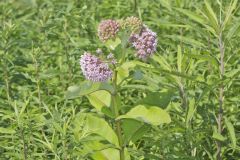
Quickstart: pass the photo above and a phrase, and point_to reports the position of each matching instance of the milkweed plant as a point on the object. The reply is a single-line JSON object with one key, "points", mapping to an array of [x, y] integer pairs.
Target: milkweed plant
{"points": [[105, 70]]}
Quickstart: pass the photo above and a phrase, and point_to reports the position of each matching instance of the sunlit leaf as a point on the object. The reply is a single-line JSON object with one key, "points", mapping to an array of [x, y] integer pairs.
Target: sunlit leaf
{"points": [[152, 115], [100, 99]]}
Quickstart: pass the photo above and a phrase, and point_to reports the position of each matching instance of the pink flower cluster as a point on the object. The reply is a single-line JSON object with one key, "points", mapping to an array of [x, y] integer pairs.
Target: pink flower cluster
{"points": [[142, 38], [145, 43], [94, 69], [108, 29]]}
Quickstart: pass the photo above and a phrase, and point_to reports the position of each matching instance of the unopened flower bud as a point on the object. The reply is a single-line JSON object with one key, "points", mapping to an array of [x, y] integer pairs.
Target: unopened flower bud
{"points": [[108, 29]]}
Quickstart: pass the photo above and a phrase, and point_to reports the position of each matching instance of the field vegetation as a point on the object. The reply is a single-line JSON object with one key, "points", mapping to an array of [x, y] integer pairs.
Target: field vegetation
{"points": [[177, 97]]}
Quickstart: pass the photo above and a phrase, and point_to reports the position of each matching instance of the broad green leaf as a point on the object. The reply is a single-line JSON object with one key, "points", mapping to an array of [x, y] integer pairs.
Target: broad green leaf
{"points": [[106, 154], [107, 111], [152, 115], [231, 132], [95, 149], [100, 99], [98, 126], [124, 69], [133, 130], [99, 151], [86, 88], [160, 99]]}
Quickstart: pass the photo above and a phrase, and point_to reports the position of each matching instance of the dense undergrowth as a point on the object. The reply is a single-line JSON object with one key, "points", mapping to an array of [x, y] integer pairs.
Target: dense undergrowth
{"points": [[194, 76]]}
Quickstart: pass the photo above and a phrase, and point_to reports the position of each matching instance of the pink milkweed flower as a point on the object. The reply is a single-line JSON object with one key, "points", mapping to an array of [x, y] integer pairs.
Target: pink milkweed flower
{"points": [[145, 43], [108, 29], [94, 69]]}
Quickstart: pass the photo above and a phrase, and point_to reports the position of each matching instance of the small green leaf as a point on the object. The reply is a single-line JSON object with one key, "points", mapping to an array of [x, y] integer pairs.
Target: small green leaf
{"points": [[218, 136], [191, 111], [152, 115], [231, 132], [179, 58]]}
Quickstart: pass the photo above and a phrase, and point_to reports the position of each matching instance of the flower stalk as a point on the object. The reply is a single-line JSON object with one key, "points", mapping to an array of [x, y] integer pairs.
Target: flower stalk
{"points": [[221, 96], [115, 109]]}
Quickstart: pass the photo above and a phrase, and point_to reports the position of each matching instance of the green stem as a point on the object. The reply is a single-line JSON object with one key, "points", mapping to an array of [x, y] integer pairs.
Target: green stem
{"points": [[221, 95], [7, 87], [25, 148], [135, 6], [123, 55], [116, 113]]}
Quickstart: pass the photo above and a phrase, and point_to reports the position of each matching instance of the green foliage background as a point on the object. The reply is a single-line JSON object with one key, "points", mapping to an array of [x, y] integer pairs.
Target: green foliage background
{"points": [[41, 42]]}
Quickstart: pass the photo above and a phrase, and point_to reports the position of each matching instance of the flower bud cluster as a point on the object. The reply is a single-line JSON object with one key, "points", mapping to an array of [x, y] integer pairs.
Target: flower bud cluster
{"points": [[108, 29], [132, 23]]}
